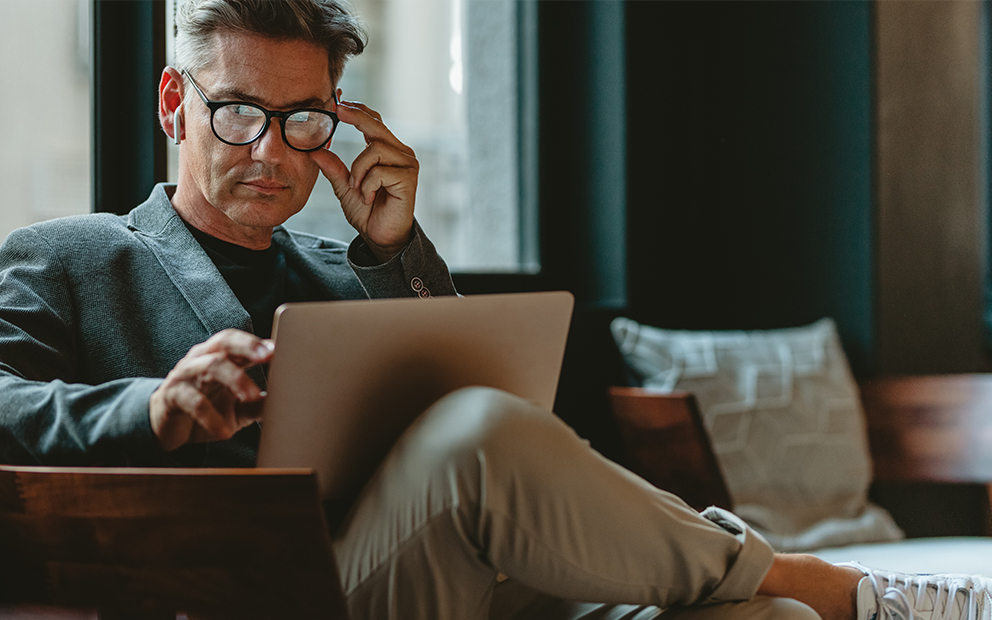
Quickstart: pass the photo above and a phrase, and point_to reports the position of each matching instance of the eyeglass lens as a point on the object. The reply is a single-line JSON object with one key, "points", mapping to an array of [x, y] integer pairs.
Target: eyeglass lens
{"points": [[241, 123]]}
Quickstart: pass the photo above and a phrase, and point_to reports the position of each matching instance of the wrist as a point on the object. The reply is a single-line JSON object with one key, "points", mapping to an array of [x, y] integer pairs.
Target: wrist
{"points": [[385, 253]]}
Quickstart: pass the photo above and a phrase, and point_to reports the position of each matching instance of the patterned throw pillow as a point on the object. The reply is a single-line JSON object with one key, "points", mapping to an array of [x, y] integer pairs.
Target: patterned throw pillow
{"points": [[785, 419]]}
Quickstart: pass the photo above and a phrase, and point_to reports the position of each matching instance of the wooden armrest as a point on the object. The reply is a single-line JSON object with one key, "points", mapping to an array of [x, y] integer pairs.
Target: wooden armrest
{"points": [[935, 428], [668, 445], [247, 543]]}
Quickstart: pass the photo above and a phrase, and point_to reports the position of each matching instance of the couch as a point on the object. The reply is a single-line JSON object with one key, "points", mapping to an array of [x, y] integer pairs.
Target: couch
{"points": [[930, 442]]}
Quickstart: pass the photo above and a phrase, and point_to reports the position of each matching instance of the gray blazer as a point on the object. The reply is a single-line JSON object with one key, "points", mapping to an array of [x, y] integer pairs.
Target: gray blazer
{"points": [[96, 309]]}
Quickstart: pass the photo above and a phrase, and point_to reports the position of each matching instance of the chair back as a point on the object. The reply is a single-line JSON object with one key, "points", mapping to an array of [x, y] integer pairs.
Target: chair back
{"points": [[668, 445]]}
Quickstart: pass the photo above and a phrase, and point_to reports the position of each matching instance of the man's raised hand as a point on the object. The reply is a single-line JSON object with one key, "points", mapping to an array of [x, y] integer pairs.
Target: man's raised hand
{"points": [[208, 396], [378, 193]]}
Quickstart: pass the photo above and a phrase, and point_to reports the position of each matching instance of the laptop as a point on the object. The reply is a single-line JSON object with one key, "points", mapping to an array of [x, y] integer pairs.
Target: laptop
{"points": [[347, 377]]}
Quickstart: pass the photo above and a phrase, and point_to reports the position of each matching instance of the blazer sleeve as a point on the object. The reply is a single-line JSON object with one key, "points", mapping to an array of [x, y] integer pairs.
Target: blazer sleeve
{"points": [[417, 271], [45, 416]]}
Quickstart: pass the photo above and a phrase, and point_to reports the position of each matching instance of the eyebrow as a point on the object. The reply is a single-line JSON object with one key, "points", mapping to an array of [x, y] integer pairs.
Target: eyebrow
{"points": [[237, 95]]}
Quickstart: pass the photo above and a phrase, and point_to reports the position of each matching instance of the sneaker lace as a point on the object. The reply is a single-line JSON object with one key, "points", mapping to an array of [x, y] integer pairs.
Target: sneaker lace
{"points": [[897, 589]]}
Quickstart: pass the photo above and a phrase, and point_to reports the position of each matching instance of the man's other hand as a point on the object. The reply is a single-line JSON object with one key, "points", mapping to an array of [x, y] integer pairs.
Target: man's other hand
{"points": [[208, 396], [378, 193]]}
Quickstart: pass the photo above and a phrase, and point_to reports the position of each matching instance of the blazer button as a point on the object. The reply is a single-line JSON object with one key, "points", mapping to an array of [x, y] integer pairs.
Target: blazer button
{"points": [[417, 284], [424, 293]]}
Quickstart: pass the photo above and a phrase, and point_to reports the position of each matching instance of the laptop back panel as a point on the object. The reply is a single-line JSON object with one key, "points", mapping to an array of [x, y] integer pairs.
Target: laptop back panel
{"points": [[348, 377]]}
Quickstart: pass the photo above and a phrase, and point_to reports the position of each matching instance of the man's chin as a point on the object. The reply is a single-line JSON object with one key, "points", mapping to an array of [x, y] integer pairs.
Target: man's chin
{"points": [[261, 213]]}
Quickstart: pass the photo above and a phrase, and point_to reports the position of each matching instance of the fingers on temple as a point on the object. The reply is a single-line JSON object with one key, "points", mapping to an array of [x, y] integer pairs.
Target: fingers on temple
{"points": [[383, 159], [396, 181], [369, 122], [333, 168], [362, 108]]}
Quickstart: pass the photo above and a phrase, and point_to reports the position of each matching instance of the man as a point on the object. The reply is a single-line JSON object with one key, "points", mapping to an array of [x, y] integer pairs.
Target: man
{"points": [[139, 340]]}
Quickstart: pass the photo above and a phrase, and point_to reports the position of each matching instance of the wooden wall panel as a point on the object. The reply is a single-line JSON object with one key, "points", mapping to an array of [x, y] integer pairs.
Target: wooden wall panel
{"points": [[931, 214]]}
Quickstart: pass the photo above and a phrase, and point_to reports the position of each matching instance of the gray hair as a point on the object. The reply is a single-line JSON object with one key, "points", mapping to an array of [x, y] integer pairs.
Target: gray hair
{"points": [[329, 24]]}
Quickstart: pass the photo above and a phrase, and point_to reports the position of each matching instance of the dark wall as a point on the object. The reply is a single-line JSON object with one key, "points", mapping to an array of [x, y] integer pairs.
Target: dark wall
{"points": [[750, 199], [703, 165], [749, 157], [582, 144]]}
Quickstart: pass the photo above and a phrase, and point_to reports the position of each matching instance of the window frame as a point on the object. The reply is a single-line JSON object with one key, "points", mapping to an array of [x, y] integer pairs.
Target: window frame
{"points": [[574, 241], [129, 156]]}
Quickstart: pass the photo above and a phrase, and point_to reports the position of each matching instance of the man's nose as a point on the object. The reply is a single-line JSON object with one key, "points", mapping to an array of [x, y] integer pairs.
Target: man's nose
{"points": [[270, 147]]}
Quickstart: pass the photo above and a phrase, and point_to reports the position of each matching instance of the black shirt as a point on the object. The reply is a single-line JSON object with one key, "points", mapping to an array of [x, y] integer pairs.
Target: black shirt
{"points": [[262, 280]]}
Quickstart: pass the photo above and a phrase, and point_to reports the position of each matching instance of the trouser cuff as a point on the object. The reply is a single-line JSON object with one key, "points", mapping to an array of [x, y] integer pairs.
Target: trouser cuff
{"points": [[753, 560]]}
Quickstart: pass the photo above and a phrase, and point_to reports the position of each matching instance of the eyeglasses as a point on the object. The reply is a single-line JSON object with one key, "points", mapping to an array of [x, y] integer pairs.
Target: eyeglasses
{"points": [[238, 123]]}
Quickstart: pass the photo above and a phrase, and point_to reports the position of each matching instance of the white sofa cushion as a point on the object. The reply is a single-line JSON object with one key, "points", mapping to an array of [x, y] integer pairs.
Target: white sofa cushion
{"points": [[784, 415], [972, 556]]}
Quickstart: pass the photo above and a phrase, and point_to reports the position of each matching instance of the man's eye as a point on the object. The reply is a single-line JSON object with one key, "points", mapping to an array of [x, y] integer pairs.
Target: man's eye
{"points": [[246, 111]]}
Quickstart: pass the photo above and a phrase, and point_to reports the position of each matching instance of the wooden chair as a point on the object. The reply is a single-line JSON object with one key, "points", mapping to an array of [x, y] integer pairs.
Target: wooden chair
{"points": [[141, 543], [921, 429], [668, 445]]}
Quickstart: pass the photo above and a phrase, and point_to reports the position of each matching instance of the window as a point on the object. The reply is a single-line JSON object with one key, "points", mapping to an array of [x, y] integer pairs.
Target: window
{"points": [[45, 120], [444, 76]]}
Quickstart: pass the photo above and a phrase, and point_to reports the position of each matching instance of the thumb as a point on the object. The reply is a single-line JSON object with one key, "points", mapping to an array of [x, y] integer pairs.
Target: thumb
{"points": [[248, 412], [334, 169]]}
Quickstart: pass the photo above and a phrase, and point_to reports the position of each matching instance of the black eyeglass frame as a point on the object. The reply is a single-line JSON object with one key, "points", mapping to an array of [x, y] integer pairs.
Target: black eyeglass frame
{"points": [[213, 106]]}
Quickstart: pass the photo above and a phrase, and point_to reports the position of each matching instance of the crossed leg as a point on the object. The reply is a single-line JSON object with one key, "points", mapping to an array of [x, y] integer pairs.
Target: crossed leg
{"points": [[484, 483], [515, 600]]}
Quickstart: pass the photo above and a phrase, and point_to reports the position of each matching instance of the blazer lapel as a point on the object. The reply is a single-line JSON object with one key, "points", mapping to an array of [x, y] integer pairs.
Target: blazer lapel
{"points": [[158, 225], [326, 266]]}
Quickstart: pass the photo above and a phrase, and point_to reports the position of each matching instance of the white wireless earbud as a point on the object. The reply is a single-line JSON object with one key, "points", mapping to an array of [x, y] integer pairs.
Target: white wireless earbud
{"points": [[176, 120]]}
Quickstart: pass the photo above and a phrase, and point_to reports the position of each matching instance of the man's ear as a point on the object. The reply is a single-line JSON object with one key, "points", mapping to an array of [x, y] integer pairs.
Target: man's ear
{"points": [[170, 98]]}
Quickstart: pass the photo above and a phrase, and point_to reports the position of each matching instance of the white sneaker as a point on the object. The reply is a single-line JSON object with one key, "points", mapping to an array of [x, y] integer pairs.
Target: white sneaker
{"points": [[885, 595]]}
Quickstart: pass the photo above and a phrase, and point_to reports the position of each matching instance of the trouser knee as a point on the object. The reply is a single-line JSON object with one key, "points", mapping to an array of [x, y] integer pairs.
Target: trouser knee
{"points": [[480, 423]]}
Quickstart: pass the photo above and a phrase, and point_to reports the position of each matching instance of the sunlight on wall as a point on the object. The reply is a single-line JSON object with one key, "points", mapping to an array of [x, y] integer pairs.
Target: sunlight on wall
{"points": [[45, 117]]}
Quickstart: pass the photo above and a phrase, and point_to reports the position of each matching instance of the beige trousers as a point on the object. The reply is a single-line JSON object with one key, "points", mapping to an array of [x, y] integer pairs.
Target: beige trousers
{"points": [[485, 483]]}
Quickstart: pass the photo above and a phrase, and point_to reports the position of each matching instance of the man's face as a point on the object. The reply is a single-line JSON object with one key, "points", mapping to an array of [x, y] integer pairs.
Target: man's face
{"points": [[258, 185]]}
